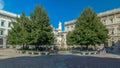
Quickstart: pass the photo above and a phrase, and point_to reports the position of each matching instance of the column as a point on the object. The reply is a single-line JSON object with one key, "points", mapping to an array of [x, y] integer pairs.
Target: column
{"points": [[5, 39], [115, 30], [4, 42], [114, 18]]}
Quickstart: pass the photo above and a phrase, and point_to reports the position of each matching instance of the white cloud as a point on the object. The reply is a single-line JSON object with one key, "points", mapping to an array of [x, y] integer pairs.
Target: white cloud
{"points": [[1, 4]]}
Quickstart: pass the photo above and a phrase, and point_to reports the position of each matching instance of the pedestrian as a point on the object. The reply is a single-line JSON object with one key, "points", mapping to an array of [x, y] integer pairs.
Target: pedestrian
{"points": [[51, 50], [56, 49]]}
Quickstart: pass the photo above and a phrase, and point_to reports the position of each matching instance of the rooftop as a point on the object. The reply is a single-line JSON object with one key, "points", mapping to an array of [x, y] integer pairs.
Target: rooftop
{"points": [[70, 22], [8, 13], [109, 12]]}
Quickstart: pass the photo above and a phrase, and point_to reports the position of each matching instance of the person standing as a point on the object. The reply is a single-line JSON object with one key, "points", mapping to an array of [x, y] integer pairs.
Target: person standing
{"points": [[56, 49]]}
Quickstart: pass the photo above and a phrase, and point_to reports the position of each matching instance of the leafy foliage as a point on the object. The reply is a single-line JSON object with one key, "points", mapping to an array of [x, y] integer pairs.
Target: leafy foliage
{"points": [[42, 31], [89, 30], [34, 30], [18, 33]]}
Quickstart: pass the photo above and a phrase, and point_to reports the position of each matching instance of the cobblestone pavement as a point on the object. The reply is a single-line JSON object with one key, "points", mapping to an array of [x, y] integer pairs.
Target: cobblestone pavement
{"points": [[14, 60]]}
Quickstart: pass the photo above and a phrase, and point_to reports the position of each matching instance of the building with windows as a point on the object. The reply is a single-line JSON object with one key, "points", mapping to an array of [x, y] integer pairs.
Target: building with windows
{"points": [[59, 36], [5, 25], [69, 25], [111, 19]]}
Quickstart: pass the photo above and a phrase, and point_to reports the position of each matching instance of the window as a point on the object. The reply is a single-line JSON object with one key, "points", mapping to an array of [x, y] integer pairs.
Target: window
{"points": [[9, 24], [71, 26], [119, 30], [1, 32], [111, 20], [118, 19], [112, 32], [104, 21], [113, 43], [2, 23]]}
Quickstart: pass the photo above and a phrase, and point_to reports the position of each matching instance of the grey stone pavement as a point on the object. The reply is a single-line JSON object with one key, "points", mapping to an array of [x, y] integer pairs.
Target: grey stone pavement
{"points": [[13, 60], [9, 53]]}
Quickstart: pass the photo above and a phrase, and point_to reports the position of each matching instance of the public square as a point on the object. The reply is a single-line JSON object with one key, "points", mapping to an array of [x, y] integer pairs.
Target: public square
{"points": [[60, 61], [10, 59], [59, 34]]}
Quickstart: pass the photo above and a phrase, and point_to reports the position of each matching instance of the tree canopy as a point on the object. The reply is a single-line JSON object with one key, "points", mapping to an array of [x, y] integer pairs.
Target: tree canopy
{"points": [[89, 30], [33, 30], [18, 33], [42, 32]]}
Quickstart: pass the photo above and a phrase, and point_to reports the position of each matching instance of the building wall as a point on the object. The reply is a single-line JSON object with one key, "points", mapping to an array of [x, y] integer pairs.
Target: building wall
{"points": [[111, 19], [69, 26], [5, 25], [60, 37]]}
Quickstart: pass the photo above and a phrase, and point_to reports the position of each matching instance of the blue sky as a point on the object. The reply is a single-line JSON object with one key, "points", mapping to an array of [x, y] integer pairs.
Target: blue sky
{"points": [[59, 10]]}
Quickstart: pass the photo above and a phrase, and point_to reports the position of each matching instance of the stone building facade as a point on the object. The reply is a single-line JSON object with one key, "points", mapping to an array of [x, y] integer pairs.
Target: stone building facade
{"points": [[5, 25], [111, 19], [59, 36], [69, 25]]}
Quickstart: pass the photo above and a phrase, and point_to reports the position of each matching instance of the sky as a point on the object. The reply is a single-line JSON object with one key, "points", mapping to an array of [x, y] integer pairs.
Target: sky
{"points": [[59, 10]]}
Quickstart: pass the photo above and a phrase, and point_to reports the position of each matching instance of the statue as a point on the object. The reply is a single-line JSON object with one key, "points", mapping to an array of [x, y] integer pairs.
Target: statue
{"points": [[60, 26]]}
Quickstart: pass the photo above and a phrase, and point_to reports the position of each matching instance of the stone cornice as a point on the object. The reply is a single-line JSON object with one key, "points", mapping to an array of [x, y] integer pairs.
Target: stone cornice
{"points": [[8, 14], [109, 12], [70, 22]]}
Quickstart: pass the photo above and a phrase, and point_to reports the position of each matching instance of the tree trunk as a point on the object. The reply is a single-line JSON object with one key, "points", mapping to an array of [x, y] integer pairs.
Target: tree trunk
{"points": [[23, 46], [87, 47]]}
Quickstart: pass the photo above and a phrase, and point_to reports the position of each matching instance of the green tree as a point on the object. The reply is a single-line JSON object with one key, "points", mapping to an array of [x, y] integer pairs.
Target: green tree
{"points": [[70, 39], [18, 33], [89, 30], [33, 30], [42, 33]]}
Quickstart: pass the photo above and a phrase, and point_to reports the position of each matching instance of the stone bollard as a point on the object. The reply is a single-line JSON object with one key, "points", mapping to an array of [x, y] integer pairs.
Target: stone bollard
{"points": [[32, 53], [89, 53], [39, 53], [95, 53], [20, 52], [83, 53], [27, 52]]}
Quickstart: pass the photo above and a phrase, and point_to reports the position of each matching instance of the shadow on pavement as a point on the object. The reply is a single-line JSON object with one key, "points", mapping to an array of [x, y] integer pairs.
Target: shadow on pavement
{"points": [[60, 61]]}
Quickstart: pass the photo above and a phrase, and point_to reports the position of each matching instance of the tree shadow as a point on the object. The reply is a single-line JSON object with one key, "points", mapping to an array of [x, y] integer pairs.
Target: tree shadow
{"points": [[114, 48], [59, 61]]}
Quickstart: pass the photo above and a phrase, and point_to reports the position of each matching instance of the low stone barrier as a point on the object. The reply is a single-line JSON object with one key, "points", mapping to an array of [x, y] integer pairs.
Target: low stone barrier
{"points": [[45, 53], [33, 53], [48, 53], [88, 53], [28, 52], [85, 53]]}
